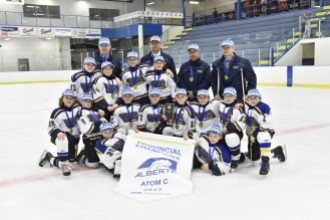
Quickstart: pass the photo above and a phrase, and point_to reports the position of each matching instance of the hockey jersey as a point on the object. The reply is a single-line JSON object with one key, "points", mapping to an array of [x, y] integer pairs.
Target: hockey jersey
{"points": [[162, 81], [106, 91], [135, 79], [183, 120], [150, 117], [64, 119], [126, 116], [83, 81], [89, 122], [206, 116], [231, 118]]}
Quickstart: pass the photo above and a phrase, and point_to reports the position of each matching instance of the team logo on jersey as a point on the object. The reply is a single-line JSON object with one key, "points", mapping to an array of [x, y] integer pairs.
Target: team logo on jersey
{"points": [[156, 166]]}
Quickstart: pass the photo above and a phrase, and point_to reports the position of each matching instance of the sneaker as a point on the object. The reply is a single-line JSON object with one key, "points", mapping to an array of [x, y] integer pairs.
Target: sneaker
{"points": [[66, 168], [264, 169], [45, 159], [279, 153]]}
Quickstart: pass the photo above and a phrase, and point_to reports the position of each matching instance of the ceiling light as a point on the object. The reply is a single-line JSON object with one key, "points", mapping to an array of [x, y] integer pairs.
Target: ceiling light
{"points": [[194, 2], [150, 3]]}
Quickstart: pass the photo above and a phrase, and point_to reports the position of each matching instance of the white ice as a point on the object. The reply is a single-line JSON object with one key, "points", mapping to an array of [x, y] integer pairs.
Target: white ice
{"points": [[298, 189]]}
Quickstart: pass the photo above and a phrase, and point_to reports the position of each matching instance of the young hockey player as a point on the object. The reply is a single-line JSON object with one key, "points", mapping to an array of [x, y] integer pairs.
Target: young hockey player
{"points": [[64, 133], [206, 112], [106, 89], [83, 80], [183, 121], [157, 78], [212, 152], [109, 148], [126, 116], [134, 77], [89, 122], [233, 123], [260, 131], [150, 118]]}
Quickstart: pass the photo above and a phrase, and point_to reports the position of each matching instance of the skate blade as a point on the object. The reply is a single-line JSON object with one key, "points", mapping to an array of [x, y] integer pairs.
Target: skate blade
{"points": [[285, 152], [41, 157]]}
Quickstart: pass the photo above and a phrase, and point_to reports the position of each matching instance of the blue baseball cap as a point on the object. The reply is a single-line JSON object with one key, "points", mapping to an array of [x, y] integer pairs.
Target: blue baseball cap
{"points": [[87, 97], [181, 91], [107, 63], [227, 43], [230, 91], [253, 93], [106, 126], [154, 92], [158, 57], [215, 129], [133, 54], [104, 41], [127, 91], [68, 93], [89, 60], [203, 92]]}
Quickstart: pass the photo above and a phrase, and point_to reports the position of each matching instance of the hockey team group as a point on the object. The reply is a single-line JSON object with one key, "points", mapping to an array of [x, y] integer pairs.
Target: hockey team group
{"points": [[105, 102]]}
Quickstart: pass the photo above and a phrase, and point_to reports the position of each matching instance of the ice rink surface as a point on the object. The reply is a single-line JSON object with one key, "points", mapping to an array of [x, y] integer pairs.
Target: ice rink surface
{"points": [[296, 190]]}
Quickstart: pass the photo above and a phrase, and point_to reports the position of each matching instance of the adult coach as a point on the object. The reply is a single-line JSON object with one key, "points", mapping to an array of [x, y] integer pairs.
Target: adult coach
{"points": [[104, 54], [195, 74], [227, 71], [155, 47]]}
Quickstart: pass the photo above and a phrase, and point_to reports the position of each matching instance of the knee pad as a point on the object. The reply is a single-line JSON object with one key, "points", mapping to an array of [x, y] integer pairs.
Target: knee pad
{"points": [[264, 137], [232, 140], [62, 147]]}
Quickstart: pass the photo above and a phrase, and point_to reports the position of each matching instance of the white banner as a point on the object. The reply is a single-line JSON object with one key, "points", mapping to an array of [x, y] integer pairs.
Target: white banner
{"points": [[28, 31], [155, 167], [78, 33], [153, 14], [45, 32], [63, 32], [9, 31], [93, 33]]}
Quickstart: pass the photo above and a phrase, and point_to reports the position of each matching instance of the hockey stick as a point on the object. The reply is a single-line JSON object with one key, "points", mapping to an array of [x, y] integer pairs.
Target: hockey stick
{"points": [[218, 84], [243, 91]]}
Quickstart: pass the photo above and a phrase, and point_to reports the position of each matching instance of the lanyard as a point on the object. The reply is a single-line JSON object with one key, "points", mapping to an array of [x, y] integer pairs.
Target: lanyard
{"points": [[111, 87], [134, 76], [249, 116], [155, 113], [95, 117], [201, 114], [224, 116], [71, 120], [156, 80], [226, 68], [211, 152], [88, 84], [192, 73], [177, 115], [129, 113]]}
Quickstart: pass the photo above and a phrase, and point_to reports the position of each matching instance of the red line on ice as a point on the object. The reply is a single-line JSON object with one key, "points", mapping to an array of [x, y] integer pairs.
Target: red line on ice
{"points": [[42, 176]]}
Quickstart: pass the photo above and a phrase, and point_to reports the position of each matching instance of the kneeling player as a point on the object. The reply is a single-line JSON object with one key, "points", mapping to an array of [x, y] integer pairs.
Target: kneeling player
{"points": [[260, 131], [64, 133], [150, 119], [233, 123], [109, 148], [212, 152], [89, 123]]}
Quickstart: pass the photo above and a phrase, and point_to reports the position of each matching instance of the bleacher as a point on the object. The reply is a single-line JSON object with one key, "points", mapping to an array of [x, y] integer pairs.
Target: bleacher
{"points": [[253, 37]]}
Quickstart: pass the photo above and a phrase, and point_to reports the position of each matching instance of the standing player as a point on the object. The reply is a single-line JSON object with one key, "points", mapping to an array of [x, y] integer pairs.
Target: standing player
{"points": [[83, 80], [106, 89], [64, 133], [126, 116], [157, 78], [206, 112], [233, 123], [212, 152], [134, 77]]}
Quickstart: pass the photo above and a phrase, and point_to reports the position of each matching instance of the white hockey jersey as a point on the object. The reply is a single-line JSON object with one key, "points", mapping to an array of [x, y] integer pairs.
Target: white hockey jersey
{"points": [[183, 120], [206, 116], [83, 81], [126, 116], [64, 120], [106, 91], [135, 79], [162, 81], [231, 118], [259, 117], [89, 122], [150, 117]]}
